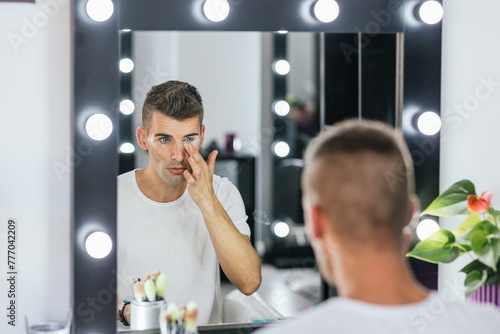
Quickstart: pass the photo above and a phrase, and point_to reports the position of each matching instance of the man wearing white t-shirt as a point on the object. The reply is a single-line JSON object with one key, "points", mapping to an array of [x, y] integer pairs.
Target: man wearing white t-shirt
{"points": [[176, 216], [358, 200]]}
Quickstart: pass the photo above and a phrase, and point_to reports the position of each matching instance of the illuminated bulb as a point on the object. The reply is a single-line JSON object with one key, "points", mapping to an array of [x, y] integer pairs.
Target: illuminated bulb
{"points": [[281, 108], [281, 229], [282, 32], [216, 10], [126, 30], [126, 65], [98, 245], [425, 228], [99, 127], [127, 148], [431, 12], [281, 149], [127, 107], [99, 10], [326, 10], [429, 123], [282, 67]]}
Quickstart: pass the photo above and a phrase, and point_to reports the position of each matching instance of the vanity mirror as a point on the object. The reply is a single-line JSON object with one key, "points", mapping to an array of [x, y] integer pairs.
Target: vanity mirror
{"points": [[96, 91]]}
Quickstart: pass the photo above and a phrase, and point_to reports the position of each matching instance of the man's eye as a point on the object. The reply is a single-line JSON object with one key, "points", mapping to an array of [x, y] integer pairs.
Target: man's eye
{"points": [[164, 140], [189, 139]]}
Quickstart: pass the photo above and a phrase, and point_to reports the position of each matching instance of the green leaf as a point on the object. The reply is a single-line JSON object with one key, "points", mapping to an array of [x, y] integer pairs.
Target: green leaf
{"points": [[474, 280], [474, 265], [453, 201], [437, 248], [484, 241], [468, 223]]}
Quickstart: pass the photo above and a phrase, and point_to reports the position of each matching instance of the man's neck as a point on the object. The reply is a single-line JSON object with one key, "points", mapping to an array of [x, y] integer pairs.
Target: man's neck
{"points": [[155, 188], [379, 279]]}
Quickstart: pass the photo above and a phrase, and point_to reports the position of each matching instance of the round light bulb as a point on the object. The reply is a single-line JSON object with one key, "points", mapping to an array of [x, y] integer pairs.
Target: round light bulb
{"points": [[127, 148], [216, 10], [99, 127], [127, 107], [100, 10], [429, 123], [281, 229], [98, 245], [326, 10], [425, 228], [281, 149], [431, 12], [281, 108], [282, 67], [126, 65]]}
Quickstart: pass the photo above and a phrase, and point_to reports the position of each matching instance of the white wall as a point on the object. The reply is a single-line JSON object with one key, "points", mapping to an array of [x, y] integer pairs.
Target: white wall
{"points": [[470, 106], [35, 114], [224, 66]]}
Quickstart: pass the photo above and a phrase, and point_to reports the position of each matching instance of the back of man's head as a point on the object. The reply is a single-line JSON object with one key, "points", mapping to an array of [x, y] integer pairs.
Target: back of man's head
{"points": [[360, 174], [175, 99]]}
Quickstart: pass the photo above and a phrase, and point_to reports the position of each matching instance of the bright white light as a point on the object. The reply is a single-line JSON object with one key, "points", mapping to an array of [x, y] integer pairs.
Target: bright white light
{"points": [[429, 123], [281, 149], [98, 245], [281, 229], [99, 127], [126, 30], [326, 10], [237, 144], [282, 32], [216, 10], [425, 228], [127, 107], [100, 10], [127, 148], [282, 67], [126, 65], [431, 12], [281, 108]]}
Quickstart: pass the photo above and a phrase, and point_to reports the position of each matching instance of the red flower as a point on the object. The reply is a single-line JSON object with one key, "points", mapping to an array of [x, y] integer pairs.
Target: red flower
{"points": [[479, 204]]}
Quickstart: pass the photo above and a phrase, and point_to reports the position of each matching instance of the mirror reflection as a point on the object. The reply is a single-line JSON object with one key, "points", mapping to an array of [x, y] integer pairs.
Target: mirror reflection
{"points": [[259, 121]]}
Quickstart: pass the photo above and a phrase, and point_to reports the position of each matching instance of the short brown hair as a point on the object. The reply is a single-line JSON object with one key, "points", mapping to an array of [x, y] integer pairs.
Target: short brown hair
{"points": [[176, 99], [360, 172]]}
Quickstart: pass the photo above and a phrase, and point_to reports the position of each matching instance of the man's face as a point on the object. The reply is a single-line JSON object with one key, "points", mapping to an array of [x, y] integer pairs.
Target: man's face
{"points": [[165, 143]]}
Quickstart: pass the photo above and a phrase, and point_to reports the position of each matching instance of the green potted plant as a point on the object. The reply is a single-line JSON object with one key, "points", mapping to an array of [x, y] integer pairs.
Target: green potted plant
{"points": [[478, 236]]}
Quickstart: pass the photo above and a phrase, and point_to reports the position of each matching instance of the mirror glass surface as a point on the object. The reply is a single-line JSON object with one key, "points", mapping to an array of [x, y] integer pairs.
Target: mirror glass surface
{"points": [[229, 70]]}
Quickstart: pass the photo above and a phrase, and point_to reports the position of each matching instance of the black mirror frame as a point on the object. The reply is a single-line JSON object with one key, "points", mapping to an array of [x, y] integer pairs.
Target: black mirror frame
{"points": [[96, 90]]}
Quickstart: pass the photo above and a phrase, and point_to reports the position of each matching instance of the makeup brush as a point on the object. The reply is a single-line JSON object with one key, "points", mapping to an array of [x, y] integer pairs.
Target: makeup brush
{"points": [[139, 293], [164, 319], [173, 312], [150, 289], [161, 286], [191, 319]]}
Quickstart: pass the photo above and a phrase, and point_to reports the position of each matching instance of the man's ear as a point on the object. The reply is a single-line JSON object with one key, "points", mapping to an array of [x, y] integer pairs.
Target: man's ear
{"points": [[202, 134], [317, 221], [411, 222], [142, 137]]}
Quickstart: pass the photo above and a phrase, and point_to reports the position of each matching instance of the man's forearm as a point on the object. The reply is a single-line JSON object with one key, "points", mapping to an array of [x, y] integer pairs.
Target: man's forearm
{"points": [[234, 251]]}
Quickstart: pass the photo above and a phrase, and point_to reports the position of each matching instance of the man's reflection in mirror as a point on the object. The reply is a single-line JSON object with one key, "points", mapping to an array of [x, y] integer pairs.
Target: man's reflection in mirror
{"points": [[176, 216]]}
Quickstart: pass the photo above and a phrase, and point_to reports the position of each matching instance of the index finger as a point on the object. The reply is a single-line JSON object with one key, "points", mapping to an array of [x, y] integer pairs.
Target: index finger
{"points": [[192, 151]]}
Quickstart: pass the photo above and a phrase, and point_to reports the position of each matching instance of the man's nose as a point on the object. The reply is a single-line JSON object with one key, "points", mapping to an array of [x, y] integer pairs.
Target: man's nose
{"points": [[179, 153]]}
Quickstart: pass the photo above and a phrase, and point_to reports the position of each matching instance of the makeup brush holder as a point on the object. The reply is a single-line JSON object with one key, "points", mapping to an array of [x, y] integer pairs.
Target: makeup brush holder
{"points": [[146, 315]]}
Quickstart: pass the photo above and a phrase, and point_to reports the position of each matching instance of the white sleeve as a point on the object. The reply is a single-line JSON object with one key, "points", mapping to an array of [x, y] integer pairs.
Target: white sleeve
{"points": [[230, 198]]}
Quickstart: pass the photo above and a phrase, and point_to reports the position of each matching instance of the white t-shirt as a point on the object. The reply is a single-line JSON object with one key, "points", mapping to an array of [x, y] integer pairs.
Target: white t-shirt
{"points": [[173, 238], [431, 316]]}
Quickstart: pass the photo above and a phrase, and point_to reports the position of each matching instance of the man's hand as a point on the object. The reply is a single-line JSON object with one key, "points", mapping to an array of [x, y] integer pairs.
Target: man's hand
{"points": [[200, 179]]}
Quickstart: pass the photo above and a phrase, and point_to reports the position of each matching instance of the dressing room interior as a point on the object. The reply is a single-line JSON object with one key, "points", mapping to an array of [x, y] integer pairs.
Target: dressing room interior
{"points": [[272, 75]]}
